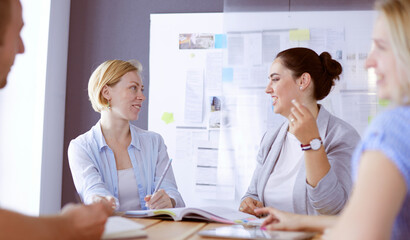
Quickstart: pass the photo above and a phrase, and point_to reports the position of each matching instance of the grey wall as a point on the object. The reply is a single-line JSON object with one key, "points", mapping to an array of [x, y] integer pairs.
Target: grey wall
{"points": [[119, 29], [296, 5]]}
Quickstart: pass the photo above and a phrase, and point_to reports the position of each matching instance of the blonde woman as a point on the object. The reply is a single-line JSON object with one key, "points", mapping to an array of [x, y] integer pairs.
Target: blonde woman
{"points": [[379, 207], [116, 160]]}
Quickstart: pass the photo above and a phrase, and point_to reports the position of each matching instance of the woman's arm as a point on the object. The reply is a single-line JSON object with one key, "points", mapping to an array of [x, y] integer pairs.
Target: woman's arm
{"points": [[76, 222], [87, 179], [279, 220], [303, 125], [376, 200], [328, 175]]}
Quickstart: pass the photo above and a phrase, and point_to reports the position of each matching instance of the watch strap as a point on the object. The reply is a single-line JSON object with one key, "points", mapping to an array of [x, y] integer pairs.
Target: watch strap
{"points": [[306, 147]]}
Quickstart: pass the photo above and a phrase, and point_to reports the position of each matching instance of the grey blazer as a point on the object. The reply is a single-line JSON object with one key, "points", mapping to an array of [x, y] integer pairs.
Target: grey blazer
{"points": [[331, 193]]}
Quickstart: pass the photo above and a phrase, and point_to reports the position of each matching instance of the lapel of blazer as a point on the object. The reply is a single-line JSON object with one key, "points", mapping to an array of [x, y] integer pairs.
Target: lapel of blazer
{"points": [[322, 122], [275, 141]]}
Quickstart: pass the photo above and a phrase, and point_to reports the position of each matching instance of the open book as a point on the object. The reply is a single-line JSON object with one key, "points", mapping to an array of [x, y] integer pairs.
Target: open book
{"points": [[208, 214], [121, 228]]}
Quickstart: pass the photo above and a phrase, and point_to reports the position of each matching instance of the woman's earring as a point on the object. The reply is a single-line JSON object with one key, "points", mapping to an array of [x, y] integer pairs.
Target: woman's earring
{"points": [[109, 105], [300, 87]]}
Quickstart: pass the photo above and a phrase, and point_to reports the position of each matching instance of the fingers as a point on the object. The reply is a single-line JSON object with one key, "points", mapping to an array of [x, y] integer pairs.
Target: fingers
{"points": [[107, 206], [249, 204], [156, 197], [275, 225], [265, 210], [272, 216], [296, 113], [299, 107], [109, 200], [259, 204], [159, 200], [269, 220]]}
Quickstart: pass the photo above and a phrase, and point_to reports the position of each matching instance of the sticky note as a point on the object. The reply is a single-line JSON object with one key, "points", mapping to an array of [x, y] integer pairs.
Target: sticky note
{"points": [[383, 102], [220, 40], [167, 117], [369, 119], [227, 74], [299, 35]]}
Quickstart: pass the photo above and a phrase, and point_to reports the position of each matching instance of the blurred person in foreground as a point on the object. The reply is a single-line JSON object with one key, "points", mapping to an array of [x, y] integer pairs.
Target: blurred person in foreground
{"points": [[75, 221], [379, 207]]}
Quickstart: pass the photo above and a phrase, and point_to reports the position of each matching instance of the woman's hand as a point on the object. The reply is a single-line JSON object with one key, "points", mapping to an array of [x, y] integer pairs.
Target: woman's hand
{"points": [[159, 200], [278, 220], [302, 123], [248, 205], [109, 199], [85, 221]]}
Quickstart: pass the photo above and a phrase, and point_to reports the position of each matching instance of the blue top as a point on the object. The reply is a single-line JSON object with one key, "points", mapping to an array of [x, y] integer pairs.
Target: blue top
{"points": [[389, 133], [94, 169]]}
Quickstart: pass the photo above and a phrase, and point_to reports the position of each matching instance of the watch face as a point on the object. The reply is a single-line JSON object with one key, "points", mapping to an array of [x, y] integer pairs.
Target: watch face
{"points": [[315, 144]]}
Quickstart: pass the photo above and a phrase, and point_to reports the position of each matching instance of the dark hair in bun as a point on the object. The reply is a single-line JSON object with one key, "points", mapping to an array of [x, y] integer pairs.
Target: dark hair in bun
{"points": [[323, 70]]}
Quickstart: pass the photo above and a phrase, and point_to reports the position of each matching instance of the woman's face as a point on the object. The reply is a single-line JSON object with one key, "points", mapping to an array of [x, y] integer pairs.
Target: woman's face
{"points": [[382, 59], [127, 96], [282, 87]]}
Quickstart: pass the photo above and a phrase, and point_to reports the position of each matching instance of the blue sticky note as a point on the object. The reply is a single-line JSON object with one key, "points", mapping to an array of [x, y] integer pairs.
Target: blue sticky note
{"points": [[227, 74], [220, 40]]}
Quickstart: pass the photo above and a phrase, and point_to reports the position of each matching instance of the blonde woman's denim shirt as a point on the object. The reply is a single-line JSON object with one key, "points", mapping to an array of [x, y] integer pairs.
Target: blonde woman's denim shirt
{"points": [[94, 170]]}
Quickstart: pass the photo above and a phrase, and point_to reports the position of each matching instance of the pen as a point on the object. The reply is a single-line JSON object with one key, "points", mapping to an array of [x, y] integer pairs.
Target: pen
{"points": [[162, 176]]}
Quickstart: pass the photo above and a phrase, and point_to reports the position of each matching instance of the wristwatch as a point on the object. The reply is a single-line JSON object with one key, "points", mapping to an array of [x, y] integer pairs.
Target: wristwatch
{"points": [[314, 144]]}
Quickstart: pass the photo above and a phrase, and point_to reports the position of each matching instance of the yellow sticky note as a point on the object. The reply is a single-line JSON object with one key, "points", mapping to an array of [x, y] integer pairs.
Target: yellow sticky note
{"points": [[167, 117], [299, 35], [384, 102]]}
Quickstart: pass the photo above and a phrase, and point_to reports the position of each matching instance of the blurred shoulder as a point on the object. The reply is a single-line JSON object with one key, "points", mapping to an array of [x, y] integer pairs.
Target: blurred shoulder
{"points": [[396, 118]]}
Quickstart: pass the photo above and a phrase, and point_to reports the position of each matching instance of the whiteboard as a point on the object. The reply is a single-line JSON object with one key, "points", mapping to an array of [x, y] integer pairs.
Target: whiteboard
{"points": [[208, 102]]}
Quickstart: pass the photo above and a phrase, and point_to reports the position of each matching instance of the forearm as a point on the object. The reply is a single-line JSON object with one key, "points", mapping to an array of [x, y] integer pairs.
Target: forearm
{"points": [[17, 226], [317, 223], [317, 165]]}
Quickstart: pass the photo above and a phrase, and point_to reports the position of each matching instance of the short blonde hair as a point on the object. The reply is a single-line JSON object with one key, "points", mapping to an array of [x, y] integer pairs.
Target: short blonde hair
{"points": [[108, 73], [397, 16]]}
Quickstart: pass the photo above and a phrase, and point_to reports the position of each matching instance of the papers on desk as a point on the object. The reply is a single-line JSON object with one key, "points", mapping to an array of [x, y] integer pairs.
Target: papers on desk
{"points": [[118, 228]]}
